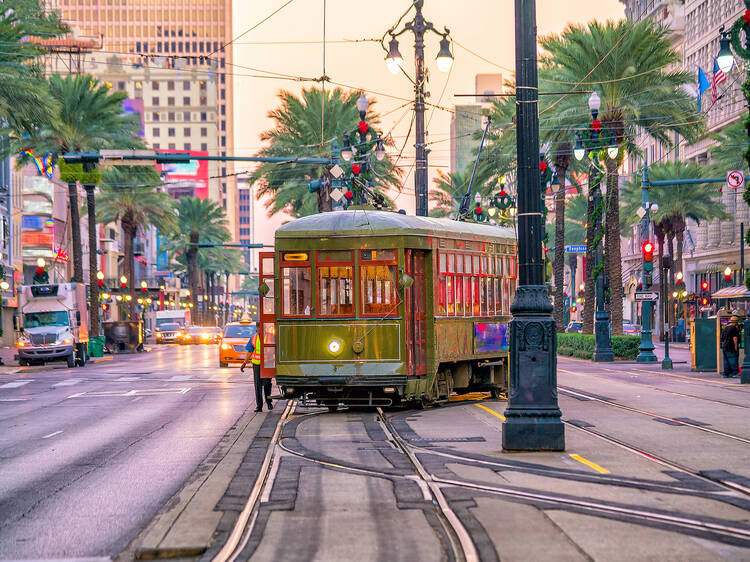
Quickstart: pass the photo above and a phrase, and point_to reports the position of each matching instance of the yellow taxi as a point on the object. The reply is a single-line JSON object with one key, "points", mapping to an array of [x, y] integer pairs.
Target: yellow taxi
{"points": [[233, 342]]}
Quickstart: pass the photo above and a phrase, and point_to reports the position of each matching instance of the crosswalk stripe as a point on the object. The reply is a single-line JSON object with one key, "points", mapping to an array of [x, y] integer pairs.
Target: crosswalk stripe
{"points": [[15, 384], [69, 382], [127, 379], [180, 378]]}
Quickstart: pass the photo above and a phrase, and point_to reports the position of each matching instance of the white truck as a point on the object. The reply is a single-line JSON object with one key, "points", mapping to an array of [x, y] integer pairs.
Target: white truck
{"points": [[52, 324], [169, 323]]}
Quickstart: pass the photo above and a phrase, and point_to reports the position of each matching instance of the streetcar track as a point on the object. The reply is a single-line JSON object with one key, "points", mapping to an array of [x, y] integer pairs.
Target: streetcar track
{"points": [[583, 394], [648, 386]]}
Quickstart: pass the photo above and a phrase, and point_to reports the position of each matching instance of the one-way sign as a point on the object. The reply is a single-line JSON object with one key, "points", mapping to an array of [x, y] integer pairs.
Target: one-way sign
{"points": [[647, 296]]}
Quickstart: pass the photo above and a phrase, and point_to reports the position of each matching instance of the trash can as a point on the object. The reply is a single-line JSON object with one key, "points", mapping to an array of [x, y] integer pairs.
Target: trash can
{"points": [[703, 344], [96, 346]]}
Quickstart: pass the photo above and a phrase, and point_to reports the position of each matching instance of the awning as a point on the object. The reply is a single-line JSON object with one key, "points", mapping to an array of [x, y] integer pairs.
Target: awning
{"points": [[737, 292]]}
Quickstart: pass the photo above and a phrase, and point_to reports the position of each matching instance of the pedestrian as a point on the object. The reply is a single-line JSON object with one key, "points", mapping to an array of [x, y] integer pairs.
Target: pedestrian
{"points": [[730, 345], [262, 386]]}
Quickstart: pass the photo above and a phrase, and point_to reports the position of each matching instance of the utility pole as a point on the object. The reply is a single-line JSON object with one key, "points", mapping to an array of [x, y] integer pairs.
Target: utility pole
{"points": [[533, 417], [646, 349]]}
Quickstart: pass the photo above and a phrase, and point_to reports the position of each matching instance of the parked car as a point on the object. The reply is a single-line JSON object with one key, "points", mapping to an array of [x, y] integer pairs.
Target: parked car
{"points": [[574, 327], [631, 329]]}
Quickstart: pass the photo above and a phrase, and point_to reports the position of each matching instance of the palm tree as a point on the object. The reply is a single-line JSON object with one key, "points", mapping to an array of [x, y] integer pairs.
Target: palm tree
{"points": [[729, 153], [627, 63], [305, 127], [562, 162], [450, 189], [129, 196], [198, 220]]}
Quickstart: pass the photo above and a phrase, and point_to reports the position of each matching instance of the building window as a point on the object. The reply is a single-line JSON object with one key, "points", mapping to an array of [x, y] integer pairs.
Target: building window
{"points": [[187, 146], [155, 101], [186, 100], [186, 131], [170, 85], [223, 188], [203, 115], [223, 141], [186, 84], [170, 116], [156, 146], [204, 146], [186, 116], [204, 131], [170, 101], [155, 115], [170, 132], [172, 146], [223, 95], [121, 86], [155, 85], [155, 132], [202, 85]]}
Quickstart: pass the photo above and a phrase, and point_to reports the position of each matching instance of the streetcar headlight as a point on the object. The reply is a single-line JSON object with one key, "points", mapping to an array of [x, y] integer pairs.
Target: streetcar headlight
{"points": [[389, 389], [334, 346]]}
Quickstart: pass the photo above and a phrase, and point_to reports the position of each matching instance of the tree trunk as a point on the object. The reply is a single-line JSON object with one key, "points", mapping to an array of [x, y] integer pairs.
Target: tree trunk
{"points": [[588, 305], [75, 232], [128, 232], [94, 305], [191, 257], [558, 263], [670, 278], [612, 247], [325, 203]]}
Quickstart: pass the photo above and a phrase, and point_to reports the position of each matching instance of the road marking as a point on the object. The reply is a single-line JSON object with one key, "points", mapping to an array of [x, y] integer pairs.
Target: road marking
{"points": [[127, 379], [70, 382], [13, 399], [16, 384], [590, 464], [128, 393], [493, 412], [51, 434], [180, 378]]}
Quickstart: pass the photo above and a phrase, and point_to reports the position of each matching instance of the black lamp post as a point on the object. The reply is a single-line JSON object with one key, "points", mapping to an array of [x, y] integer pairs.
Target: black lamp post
{"points": [[666, 262], [395, 61], [533, 417]]}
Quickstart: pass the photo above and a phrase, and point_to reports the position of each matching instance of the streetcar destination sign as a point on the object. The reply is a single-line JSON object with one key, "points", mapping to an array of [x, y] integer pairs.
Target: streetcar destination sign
{"points": [[647, 296]]}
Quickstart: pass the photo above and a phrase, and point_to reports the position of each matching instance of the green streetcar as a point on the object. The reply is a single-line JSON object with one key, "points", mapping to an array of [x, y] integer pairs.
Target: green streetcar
{"points": [[366, 307]]}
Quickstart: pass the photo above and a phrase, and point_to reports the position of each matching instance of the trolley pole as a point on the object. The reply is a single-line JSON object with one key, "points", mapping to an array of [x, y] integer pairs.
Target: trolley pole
{"points": [[533, 417]]}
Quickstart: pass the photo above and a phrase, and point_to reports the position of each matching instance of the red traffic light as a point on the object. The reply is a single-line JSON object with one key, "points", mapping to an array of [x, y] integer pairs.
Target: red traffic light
{"points": [[704, 286], [648, 255]]}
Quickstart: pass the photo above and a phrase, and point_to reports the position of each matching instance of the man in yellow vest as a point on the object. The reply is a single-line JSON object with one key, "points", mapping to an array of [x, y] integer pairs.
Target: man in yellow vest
{"points": [[254, 349]]}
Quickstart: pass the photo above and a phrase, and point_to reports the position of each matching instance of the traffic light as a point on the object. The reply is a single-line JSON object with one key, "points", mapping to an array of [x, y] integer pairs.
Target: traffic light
{"points": [[315, 185], [648, 256], [704, 301], [704, 286], [728, 274]]}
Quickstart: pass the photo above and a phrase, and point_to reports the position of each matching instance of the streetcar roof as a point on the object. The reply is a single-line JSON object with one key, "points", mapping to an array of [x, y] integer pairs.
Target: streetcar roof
{"points": [[360, 222]]}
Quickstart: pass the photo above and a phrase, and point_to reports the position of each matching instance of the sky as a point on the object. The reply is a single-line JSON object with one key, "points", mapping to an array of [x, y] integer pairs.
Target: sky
{"points": [[290, 43]]}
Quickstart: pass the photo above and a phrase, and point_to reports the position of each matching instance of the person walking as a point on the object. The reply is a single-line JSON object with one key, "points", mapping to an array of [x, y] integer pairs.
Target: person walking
{"points": [[262, 386], [730, 344]]}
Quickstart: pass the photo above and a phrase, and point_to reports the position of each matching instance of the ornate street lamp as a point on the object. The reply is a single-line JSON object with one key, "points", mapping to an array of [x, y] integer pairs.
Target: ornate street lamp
{"points": [[419, 26]]}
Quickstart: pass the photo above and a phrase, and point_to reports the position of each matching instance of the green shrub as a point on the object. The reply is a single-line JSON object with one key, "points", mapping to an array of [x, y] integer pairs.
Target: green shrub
{"points": [[582, 346]]}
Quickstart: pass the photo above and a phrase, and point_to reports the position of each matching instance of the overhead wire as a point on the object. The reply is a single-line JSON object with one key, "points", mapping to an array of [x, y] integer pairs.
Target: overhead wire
{"points": [[261, 22]]}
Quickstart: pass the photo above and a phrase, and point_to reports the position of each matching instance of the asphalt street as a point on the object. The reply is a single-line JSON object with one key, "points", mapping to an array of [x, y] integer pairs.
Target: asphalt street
{"points": [[88, 456]]}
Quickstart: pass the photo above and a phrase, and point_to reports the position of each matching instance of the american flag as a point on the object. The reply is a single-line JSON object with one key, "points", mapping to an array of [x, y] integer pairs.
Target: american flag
{"points": [[718, 78]]}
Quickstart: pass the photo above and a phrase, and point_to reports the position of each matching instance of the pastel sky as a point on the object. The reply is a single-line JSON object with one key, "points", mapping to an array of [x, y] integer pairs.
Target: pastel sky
{"points": [[290, 43]]}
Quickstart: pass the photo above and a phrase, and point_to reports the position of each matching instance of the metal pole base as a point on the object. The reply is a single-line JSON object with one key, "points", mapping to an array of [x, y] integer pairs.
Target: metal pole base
{"points": [[533, 417], [646, 356], [745, 376], [603, 340], [666, 363]]}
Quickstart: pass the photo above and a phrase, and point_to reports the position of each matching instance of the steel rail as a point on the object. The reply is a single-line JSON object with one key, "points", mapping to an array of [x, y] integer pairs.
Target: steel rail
{"points": [[453, 525], [653, 415], [232, 546]]}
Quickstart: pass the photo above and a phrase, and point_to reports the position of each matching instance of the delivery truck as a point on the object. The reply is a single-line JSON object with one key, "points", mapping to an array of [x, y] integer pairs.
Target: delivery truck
{"points": [[52, 324]]}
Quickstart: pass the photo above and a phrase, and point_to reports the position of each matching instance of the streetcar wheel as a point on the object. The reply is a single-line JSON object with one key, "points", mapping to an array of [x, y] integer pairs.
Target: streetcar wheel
{"points": [[494, 393]]}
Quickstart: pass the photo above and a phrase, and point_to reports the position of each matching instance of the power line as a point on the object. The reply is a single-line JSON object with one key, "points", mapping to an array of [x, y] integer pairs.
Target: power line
{"points": [[261, 22]]}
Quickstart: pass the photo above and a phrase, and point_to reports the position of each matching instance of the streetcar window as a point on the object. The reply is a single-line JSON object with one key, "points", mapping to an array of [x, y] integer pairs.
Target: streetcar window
{"points": [[378, 255], [378, 290], [344, 256], [450, 292], [296, 291], [467, 264], [336, 290], [268, 299]]}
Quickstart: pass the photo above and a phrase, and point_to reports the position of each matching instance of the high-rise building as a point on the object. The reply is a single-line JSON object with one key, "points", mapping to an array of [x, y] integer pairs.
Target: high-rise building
{"points": [[466, 121], [169, 56]]}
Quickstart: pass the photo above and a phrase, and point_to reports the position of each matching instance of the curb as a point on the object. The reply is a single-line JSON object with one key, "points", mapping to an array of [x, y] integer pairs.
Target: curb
{"points": [[187, 525]]}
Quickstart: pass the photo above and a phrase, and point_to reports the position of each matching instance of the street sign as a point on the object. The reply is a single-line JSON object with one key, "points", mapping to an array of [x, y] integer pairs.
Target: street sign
{"points": [[336, 194], [735, 179], [647, 296], [576, 249]]}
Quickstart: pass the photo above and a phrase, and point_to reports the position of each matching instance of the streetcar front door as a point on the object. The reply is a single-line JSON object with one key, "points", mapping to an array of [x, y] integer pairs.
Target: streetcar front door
{"points": [[267, 316], [416, 352]]}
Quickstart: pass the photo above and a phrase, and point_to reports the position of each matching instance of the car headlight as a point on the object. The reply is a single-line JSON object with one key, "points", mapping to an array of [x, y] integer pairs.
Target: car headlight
{"points": [[67, 340], [22, 342], [226, 346], [205, 336]]}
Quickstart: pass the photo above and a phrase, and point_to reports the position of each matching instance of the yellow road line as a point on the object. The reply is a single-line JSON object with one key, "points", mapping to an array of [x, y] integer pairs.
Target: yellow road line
{"points": [[633, 371], [590, 464], [493, 412]]}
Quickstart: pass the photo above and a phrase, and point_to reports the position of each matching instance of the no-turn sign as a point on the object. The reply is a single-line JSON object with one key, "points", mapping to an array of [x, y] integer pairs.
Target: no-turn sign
{"points": [[735, 179]]}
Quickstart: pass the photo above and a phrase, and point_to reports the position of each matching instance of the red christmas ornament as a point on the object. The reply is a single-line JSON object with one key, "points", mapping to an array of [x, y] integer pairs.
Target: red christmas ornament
{"points": [[478, 210], [39, 270], [349, 195], [542, 166], [363, 127], [356, 169], [502, 193], [100, 283], [596, 126], [746, 17]]}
